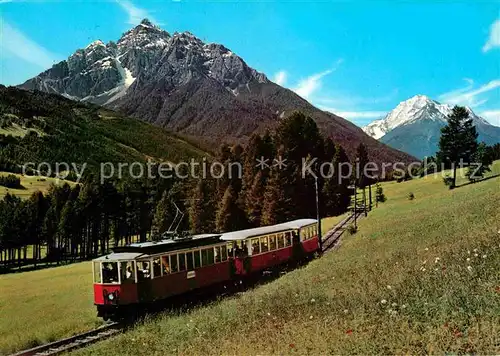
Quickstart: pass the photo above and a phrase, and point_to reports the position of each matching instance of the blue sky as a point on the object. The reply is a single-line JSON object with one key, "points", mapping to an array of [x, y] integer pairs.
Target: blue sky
{"points": [[356, 59]]}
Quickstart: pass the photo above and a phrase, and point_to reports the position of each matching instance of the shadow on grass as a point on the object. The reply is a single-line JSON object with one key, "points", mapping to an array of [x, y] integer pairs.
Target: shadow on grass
{"points": [[477, 181]]}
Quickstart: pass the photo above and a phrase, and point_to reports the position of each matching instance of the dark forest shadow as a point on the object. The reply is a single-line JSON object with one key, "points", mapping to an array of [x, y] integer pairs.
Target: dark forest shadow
{"points": [[477, 181]]}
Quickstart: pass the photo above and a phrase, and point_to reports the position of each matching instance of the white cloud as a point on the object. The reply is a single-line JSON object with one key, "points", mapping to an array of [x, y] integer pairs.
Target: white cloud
{"points": [[280, 77], [469, 95], [493, 116], [350, 115], [135, 14], [18, 44], [309, 85], [494, 39]]}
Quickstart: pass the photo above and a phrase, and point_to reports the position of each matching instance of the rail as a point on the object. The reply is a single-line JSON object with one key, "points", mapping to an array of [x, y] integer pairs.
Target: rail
{"points": [[73, 342], [332, 237]]}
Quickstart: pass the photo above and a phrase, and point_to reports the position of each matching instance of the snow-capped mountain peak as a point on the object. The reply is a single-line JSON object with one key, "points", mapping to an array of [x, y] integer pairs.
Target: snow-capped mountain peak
{"points": [[417, 108], [103, 73]]}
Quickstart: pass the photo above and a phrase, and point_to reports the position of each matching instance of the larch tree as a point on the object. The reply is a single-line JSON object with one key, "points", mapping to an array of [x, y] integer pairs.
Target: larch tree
{"points": [[458, 141]]}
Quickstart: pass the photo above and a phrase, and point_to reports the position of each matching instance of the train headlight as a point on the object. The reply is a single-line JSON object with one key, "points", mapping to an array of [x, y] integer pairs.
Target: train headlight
{"points": [[111, 296]]}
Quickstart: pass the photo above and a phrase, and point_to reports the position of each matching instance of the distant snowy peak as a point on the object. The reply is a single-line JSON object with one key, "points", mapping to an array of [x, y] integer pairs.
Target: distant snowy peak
{"points": [[417, 108]]}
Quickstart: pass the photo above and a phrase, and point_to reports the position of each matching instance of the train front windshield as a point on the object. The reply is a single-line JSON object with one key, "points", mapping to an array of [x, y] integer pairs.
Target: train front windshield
{"points": [[114, 272]]}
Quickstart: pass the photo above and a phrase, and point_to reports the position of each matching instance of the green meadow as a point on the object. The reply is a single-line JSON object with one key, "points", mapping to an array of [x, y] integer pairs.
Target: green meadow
{"points": [[30, 185], [420, 276]]}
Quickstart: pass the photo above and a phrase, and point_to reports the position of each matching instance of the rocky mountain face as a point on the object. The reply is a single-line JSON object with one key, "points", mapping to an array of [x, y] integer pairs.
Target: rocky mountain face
{"points": [[200, 90], [414, 126]]}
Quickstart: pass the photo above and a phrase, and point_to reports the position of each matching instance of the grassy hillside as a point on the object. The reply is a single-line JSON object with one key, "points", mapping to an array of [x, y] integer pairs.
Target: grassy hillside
{"points": [[45, 305], [39, 127], [421, 276], [335, 304], [30, 185]]}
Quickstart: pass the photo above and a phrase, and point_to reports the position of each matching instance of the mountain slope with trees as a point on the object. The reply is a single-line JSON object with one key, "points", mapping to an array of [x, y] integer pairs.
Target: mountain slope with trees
{"points": [[57, 129], [197, 89]]}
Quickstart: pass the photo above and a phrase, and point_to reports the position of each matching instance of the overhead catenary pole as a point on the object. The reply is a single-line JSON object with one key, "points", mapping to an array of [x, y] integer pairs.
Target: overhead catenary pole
{"points": [[320, 237], [370, 192], [355, 204]]}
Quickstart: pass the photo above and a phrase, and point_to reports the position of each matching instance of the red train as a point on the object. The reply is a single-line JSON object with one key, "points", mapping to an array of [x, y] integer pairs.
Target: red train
{"points": [[142, 273]]}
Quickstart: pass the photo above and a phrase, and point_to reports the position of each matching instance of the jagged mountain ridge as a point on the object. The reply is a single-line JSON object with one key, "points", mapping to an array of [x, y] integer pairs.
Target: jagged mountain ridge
{"points": [[414, 126], [203, 91]]}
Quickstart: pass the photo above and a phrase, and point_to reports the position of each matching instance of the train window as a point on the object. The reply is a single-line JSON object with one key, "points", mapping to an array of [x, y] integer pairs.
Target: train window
{"points": [[288, 238], [156, 267], [255, 246], [217, 254], [223, 252], [230, 247], [272, 242], [165, 265], [127, 270], [281, 240], [210, 252], [264, 244], [174, 264], [315, 230], [207, 256], [204, 257], [143, 270], [97, 272], [189, 260], [110, 272], [182, 262], [197, 259]]}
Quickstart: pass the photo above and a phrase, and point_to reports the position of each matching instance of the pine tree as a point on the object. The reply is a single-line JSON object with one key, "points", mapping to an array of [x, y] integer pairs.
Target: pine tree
{"points": [[162, 217], [379, 193], [361, 162], [458, 140], [229, 215], [482, 159], [201, 208], [255, 199], [336, 194], [277, 206]]}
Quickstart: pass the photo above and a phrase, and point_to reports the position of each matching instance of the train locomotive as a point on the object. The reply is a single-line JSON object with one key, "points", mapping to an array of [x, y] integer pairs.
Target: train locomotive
{"points": [[139, 274]]}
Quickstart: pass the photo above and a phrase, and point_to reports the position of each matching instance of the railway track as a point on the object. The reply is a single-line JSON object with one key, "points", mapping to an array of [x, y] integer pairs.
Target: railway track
{"points": [[73, 342], [332, 237]]}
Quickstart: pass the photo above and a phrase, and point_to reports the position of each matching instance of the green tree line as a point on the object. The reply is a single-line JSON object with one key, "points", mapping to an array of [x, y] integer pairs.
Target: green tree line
{"points": [[81, 222]]}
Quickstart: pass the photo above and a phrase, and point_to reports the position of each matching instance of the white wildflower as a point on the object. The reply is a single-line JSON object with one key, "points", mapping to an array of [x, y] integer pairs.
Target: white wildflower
{"points": [[427, 249], [313, 300], [394, 305], [436, 260], [468, 259], [424, 262], [389, 287], [484, 256], [475, 255], [311, 317], [469, 268], [383, 301], [475, 250], [346, 311], [403, 306], [468, 252], [268, 314]]}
